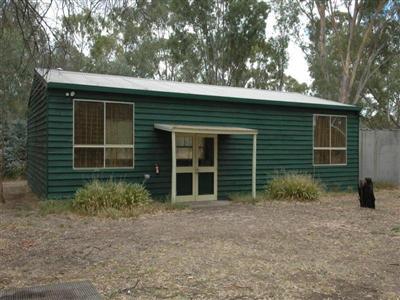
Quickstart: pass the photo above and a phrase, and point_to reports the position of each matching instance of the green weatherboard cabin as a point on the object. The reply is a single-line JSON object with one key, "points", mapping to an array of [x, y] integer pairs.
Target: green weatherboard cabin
{"points": [[195, 141]]}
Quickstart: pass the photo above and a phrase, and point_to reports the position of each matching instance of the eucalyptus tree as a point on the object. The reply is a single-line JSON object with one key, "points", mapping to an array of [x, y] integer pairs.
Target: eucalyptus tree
{"points": [[226, 43], [208, 41], [24, 43], [348, 43], [381, 98], [219, 40]]}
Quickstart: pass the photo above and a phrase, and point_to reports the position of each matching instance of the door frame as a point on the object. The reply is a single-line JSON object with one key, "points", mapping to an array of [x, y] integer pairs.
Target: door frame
{"points": [[195, 169]]}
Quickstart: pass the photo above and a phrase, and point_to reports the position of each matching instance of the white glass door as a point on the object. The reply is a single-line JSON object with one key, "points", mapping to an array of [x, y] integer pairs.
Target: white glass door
{"points": [[196, 167], [185, 167], [206, 167]]}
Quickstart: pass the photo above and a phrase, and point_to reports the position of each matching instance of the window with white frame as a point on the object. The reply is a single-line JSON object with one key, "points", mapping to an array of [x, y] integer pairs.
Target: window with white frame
{"points": [[330, 140], [103, 134]]}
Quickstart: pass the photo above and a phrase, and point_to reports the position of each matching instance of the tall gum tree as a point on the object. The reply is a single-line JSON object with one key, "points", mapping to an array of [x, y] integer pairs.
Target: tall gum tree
{"points": [[347, 40]]}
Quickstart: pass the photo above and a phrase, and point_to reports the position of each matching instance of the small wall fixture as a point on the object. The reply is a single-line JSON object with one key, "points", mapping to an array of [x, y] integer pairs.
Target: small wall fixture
{"points": [[146, 177]]}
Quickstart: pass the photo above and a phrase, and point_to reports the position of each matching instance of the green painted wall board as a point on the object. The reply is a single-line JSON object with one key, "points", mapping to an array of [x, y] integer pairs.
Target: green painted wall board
{"points": [[284, 142], [37, 138]]}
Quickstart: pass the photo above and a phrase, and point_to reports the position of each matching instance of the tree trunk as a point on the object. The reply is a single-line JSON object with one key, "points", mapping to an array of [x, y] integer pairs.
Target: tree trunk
{"points": [[2, 142], [350, 66], [322, 39], [344, 89], [345, 81], [2, 198]]}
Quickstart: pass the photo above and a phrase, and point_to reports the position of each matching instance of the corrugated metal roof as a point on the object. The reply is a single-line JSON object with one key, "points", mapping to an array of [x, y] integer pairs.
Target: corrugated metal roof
{"points": [[174, 87]]}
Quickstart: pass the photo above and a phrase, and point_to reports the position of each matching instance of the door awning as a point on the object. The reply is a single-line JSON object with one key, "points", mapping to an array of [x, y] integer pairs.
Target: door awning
{"points": [[205, 129]]}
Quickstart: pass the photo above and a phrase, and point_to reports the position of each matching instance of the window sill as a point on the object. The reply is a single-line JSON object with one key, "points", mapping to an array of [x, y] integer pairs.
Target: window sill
{"points": [[103, 169]]}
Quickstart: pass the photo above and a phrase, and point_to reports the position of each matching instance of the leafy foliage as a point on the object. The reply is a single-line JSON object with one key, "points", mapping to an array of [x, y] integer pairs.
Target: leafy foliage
{"points": [[352, 50], [294, 186], [350, 47], [381, 100], [23, 45], [97, 196], [215, 42], [15, 149]]}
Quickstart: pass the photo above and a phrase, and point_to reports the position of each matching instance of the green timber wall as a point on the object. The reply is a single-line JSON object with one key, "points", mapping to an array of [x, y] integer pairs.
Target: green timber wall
{"points": [[284, 143], [37, 138]]}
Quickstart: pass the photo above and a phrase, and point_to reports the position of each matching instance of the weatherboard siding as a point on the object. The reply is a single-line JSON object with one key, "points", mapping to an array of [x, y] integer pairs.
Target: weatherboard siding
{"points": [[37, 138], [284, 143]]}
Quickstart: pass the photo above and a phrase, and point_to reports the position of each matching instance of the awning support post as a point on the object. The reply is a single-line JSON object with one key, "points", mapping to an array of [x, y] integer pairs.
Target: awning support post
{"points": [[173, 175], [254, 164]]}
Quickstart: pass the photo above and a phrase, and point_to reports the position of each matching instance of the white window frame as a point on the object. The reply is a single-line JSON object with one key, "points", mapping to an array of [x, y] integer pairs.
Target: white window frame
{"points": [[330, 148], [103, 146]]}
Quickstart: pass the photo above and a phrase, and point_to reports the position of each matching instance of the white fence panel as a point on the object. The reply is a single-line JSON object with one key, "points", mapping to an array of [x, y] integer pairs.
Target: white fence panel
{"points": [[380, 155]]}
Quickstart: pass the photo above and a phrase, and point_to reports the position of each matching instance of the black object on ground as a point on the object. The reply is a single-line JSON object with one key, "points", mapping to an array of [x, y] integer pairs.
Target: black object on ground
{"points": [[366, 193], [69, 290]]}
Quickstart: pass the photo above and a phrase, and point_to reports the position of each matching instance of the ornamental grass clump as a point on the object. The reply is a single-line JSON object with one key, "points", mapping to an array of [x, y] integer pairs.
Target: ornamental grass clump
{"points": [[294, 186], [97, 196]]}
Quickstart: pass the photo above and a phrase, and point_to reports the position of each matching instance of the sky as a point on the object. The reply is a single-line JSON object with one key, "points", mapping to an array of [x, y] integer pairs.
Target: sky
{"points": [[297, 66]]}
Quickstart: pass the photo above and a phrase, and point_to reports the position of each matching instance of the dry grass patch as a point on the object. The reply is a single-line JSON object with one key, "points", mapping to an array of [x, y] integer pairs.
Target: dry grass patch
{"points": [[326, 249], [384, 185], [245, 197], [48, 207]]}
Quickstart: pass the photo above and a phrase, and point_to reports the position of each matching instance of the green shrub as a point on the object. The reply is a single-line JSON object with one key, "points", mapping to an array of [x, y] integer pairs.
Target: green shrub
{"points": [[396, 230], [294, 186], [98, 196], [14, 149]]}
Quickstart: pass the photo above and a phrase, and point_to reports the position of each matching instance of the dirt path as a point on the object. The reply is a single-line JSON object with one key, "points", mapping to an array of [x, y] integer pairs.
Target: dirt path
{"points": [[329, 249]]}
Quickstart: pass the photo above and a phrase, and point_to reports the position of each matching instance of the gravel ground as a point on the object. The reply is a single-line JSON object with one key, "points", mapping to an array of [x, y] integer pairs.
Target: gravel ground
{"points": [[330, 249]]}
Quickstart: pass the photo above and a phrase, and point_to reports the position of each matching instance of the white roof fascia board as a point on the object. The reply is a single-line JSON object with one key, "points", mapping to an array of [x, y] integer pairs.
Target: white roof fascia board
{"points": [[205, 129]]}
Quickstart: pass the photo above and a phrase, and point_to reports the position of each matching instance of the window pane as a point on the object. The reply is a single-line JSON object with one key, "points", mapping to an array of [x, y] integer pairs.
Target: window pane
{"points": [[184, 151], [338, 132], [89, 122], [206, 152], [184, 184], [321, 131], [321, 157], [119, 157], [119, 124], [206, 183], [88, 157], [338, 156]]}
